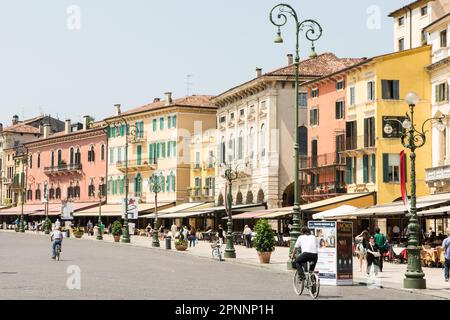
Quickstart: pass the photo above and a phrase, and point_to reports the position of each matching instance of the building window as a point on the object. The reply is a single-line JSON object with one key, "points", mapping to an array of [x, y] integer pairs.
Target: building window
{"points": [[39, 160], [303, 100], [29, 195], [161, 124], [58, 193], [340, 109], [154, 125], [370, 90], [390, 89], [314, 116], [424, 37], [222, 119], [231, 154], [240, 145], [350, 135], [76, 191], [441, 92], [351, 170], [397, 128], [369, 132], [340, 85], [38, 194], [111, 155], [51, 193], [232, 116], [401, 21], [222, 151], [391, 167], [169, 122], [443, 38], [251, 143], [59, 157], [352, 96], [262, 138], [78, 156], [174, 121], [303, 141], [241, 113], [103, 152], [91, 154], [424, 11], [315, 93], [401, 44], [198, 186], [91, 190]]}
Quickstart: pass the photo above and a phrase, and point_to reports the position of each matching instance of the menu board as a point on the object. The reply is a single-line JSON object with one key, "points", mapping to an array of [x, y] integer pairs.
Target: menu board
{"points": [[344, 253]]}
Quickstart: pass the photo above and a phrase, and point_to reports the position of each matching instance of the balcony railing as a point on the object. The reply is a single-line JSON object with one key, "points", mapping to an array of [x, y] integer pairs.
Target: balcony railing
{"points": [[140, 137], [322, 160], [136, 165], [323, 189], [437, 174], [359, 142], [63, 168]]}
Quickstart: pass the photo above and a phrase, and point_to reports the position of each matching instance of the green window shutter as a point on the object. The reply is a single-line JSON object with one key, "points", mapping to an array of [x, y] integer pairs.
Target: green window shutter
{"points": [[120, 186], [173, 183], [157, 150], [348, 171], [161, 123], [168, 148], [108, 132], [396, 86], [365, 168], [154, 125], [174, 121], [163, 151], [169, 122], [373, 169], [174, 149], [122, 130], [168, 183], [150, 153], [385, 167]]}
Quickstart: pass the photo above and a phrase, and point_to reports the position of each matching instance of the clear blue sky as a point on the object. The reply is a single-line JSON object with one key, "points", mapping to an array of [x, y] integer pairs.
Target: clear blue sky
{"points": [[131, 51]]}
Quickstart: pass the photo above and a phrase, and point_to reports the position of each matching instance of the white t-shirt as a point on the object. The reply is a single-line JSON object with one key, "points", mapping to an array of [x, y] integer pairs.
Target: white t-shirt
{"points": [[308, 243], [57, 235]]}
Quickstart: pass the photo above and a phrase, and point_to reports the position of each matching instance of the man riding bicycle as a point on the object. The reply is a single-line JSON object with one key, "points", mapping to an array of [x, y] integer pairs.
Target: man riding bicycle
{"points": [[57, 237], [307, 243]]}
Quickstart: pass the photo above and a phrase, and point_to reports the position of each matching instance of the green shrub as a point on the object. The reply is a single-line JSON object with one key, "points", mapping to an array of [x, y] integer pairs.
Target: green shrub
{"points": [[116, 228], [181, 242], [265, 238], [48, 224]]}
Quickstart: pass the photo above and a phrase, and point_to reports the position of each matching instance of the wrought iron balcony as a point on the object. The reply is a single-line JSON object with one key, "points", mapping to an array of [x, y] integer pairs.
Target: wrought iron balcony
{"points": [[136, 165], [322, 190], [138, 138], [322, 160], [63, 169]]}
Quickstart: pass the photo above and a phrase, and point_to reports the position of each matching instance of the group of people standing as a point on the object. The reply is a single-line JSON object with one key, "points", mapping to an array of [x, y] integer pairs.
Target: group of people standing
{"points": [[371, 248]]}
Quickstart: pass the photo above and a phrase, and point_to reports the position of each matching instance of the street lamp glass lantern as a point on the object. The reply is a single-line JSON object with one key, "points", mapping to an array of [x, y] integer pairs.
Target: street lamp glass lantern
{"points": [[406, 124], [412, 98], [440, 125], [278, 38]]}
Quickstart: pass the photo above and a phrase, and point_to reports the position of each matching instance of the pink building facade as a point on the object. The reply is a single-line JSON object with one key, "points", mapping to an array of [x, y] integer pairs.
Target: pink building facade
{"points": [[324, 165], [71, 164]]}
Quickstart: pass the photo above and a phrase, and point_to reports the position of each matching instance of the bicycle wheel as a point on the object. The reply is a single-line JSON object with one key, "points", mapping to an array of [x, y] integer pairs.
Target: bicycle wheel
{"points": [[299, 285], [58, 250], [314, 285], [213, 253]]}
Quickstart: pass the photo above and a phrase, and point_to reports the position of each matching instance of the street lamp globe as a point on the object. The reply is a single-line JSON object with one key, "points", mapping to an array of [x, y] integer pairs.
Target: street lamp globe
{"points": [[406, 124], [412, 98], [440, 125], [388, 128]]}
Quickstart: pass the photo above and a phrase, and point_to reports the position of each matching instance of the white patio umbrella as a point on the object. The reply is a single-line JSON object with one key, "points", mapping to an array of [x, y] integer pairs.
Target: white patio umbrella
{"points": [[343, 211]]}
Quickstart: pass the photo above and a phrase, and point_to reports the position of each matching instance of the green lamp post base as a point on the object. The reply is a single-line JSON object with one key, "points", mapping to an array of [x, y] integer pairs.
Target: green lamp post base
{"points": [[414, 283], [99, 236], [155, 243], [125, 236], [230, 254]]}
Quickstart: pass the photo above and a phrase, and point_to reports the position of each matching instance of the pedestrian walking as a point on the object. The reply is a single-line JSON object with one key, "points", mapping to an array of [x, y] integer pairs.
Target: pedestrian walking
{"points": [[446, 246], [192, 237], [248, 236], [380, 240], [361, 241], [221, 234], [57, 224], [110, 229], [90, 227], [373, 256], [174, 230]]}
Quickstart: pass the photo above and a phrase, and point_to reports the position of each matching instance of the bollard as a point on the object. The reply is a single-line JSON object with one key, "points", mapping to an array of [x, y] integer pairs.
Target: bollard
{"points": [[168, 241]]}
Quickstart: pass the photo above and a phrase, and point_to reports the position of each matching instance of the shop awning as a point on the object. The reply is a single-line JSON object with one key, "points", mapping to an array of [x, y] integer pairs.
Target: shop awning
{"points": [[27, 209], [343, 210], [183, 214], [359, 200], [247, 215], [435, 212], [182, 207], [115, 210], [54, 209]]}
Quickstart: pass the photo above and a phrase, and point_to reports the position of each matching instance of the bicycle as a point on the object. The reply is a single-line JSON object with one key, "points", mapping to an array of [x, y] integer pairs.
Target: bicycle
{"points": [[57, 251], [217, 251], [311, 279]]}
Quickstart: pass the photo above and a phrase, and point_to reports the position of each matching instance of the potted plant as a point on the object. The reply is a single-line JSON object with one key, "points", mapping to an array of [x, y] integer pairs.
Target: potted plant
{"points": [[116, 230], [47, 225], [78, 232], [264, 241], [181, 244]]}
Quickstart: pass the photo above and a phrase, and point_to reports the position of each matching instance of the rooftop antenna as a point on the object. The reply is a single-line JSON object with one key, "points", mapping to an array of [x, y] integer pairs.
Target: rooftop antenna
{"points": [[188, 84]]}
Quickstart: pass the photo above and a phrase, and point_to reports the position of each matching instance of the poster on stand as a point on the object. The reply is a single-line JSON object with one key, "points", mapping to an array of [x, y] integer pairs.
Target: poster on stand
{"points": [[344, 253], [325, 232]]}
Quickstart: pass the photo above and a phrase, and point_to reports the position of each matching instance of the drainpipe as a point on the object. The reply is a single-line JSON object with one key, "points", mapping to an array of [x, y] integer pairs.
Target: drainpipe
{"points": [[410, 26]]}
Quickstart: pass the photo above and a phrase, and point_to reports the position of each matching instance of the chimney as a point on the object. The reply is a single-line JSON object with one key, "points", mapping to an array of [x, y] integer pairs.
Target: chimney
{"points": [[47, 130], [258, 72], [168, 98], [117, 106], [68, 126], [86, 122], [15, 119], [156, 100], [1, 127], [41, 128], [290, 59]]}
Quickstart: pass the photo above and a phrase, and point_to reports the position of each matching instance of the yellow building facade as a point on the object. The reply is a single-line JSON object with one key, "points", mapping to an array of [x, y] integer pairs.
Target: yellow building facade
{"points": [[375, 96]]}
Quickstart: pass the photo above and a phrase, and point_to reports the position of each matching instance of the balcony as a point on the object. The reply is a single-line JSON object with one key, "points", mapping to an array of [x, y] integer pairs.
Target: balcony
{"points": [[359, 145], [197, 194], [63, 169], [139, 138], [135, 166], [313, 164], [208, 166], [311, 192], [7, 180], [440, 54], [438, 176], [196, 166]]}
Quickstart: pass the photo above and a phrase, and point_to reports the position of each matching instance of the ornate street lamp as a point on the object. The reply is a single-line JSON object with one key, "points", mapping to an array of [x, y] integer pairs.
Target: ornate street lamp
{"points": [[100, 196], [313, 31], [413, 139], [23, 185], [46, 224], [155, 184], [131, 132]]}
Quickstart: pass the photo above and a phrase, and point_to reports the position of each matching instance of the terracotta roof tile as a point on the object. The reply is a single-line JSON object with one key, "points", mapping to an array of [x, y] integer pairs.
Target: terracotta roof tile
{"points": [[21, 128], [202, 101], [323, 64]]}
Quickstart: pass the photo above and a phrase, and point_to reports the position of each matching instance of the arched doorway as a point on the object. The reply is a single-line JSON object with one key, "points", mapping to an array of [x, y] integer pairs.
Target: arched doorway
{"points": [[288, 196], [249, 198], [260, 196], [239, 198]]}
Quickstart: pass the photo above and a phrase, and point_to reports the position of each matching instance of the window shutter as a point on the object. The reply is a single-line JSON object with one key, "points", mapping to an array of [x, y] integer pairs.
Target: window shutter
{"points": [[163, 151], [348, 172], [385, 167], [151, 152], [396, 87], [311, 117], [168, 148], [385, 89], [373, 169], [317, 115], [366, 135], [108, 132], [336, 110], [365, 168], [436, 93]]}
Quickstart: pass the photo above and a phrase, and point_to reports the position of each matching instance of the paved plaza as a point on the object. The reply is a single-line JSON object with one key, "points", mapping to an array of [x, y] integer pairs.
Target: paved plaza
{"points": [[110, 270]]}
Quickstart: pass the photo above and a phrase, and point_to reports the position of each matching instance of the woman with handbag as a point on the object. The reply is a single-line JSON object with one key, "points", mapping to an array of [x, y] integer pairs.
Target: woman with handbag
{"points": [[361, 241], [373, 255]]}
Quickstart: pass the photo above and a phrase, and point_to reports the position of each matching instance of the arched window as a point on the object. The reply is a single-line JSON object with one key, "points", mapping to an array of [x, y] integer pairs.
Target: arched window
{"points": [[260, 197], [72, 155], [91, 189], [52, 164], [29, 195], [240, 145], [231, 154], [262, 140], [91, 154], [31, 161], [222, 150], [38, 194], [249, 198], [78, 156], [77, 191], [70, 193], [239, 198], [59, 157], [39, 160], [251, 143], [58, 193], [103, 152], [51, 193]]}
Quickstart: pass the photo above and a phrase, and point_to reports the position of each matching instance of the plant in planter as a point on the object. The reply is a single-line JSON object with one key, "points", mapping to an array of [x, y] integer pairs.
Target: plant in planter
{"points": [[181, 244], [78, 232], [264, 241], [47, 225], [116, 230]]}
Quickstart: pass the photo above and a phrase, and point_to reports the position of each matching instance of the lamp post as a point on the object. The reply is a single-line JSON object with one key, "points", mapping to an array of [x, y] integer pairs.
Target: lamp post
{"points": [[22, 191], [156, 188], [121, 125], [413, 139], [313, 31], [46, 225], [100, 196]]}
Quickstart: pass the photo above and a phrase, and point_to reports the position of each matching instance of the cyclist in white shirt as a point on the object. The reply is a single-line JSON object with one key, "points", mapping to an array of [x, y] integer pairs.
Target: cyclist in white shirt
{"points": [[307, 243], [56, 236]]}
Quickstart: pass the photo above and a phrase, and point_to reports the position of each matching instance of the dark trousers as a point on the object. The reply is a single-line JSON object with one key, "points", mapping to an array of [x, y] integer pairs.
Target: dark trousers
{"points": [[302, 259], [380, 261], [248, 240], [446, 268], [372, 260]]}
